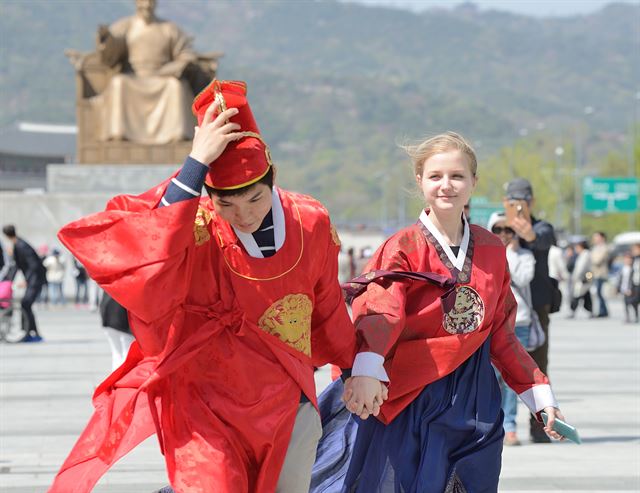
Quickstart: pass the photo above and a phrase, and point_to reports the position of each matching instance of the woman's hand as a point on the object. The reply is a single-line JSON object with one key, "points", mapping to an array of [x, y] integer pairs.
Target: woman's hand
{"points": [[213, 135], [553, 413], [364, 395]]}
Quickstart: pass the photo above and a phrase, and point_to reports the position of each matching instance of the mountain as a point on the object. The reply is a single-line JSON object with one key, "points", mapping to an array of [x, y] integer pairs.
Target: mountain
{"points": [[336, 86]]}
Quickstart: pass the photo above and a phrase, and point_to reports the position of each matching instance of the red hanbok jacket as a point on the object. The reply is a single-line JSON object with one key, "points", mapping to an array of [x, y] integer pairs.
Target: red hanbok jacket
{"points": [[225, 342], [404, 321]]}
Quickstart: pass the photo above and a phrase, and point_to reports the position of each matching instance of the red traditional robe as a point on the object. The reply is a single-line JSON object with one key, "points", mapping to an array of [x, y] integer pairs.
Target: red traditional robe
{"points": [[404, 321], [224, 345]]}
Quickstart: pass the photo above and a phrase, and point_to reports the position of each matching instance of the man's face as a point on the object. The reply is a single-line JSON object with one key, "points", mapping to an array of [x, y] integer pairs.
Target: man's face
{"points": [[145, 9], [247, 211]]}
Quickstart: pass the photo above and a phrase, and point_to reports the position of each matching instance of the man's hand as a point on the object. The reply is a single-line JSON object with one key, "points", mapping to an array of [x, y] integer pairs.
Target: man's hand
{"points": [[213, 135], [523, 229], [364, 396], [553, 413]]}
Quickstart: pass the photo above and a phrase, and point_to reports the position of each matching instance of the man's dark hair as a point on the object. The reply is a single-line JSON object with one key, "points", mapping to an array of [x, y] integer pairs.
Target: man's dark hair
{"points": [[602, 234], [267, 179], [9, 230]]}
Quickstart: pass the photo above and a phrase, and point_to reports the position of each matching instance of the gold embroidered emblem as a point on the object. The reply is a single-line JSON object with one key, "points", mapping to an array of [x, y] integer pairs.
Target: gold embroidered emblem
{"points": [[467, 314], [200, 229], [289, 319], [334, 235]]}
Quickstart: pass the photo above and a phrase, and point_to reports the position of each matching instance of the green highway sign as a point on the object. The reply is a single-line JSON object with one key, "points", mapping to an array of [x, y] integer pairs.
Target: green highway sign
{"points": [[609, 194], [480, 214]]}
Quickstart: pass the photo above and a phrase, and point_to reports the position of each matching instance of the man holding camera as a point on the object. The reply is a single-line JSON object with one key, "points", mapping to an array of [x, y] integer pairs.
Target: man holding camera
{"points": [[538, 236]]}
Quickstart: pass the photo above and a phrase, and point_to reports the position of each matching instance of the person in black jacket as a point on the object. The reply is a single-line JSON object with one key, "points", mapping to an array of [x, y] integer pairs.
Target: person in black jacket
{"points": [[27, 261], [537, 236], [115, 322]]}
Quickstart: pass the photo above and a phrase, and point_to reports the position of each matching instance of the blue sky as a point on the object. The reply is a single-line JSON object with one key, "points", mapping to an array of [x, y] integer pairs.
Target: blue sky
{"points": [[541, 8]]}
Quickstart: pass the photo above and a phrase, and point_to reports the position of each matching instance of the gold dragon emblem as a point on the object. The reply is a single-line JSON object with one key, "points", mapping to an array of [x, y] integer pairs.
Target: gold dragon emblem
{"points": [[467, 313], [200, 226], [289, 319]]}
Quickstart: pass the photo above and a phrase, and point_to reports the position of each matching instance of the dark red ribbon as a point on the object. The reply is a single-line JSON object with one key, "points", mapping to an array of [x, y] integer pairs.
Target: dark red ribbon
{"points": [[358, 285]]}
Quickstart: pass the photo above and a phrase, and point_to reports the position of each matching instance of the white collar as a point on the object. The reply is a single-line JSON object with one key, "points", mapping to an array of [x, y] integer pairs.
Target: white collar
{"points": [[458, 262], [279, 230]]}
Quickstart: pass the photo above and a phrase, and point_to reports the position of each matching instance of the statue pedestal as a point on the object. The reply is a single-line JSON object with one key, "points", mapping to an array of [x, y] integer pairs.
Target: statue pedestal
{"points": [[74, 191], [96, 152], [112, 179]]}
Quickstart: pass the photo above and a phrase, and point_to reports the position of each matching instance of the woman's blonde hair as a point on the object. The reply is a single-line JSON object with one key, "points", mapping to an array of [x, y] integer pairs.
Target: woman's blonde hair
{"points": [[448, 141]]}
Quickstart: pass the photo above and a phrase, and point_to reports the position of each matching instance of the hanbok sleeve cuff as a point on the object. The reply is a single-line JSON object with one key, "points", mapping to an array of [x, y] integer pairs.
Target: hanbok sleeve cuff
{"points": [[188, 183], [538, 397], [369, 364]]}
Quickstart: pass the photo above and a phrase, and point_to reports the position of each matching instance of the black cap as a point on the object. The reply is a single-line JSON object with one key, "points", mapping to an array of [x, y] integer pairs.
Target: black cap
{"points": [[519, 189]]}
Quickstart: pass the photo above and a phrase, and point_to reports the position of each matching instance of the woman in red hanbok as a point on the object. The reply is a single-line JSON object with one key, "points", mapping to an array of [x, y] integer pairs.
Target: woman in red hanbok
{"points": [[432, 312]]}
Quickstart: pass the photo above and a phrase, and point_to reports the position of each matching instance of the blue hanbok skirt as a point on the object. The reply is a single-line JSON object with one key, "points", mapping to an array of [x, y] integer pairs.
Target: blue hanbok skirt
{"points": [[449, 439]]}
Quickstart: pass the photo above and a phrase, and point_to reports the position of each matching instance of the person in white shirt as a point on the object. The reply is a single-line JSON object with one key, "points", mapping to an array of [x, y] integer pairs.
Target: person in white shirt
{"points": [[521, 268], [55, 266]]}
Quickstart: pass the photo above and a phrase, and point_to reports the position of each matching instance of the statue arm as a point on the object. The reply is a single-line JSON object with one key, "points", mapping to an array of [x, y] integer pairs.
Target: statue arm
{"points": [[111, 44], [182, 54]]}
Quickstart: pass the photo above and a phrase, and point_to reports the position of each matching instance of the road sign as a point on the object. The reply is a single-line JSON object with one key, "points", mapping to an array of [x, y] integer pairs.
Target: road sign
{"points": [[480, 214], [609, 194]]}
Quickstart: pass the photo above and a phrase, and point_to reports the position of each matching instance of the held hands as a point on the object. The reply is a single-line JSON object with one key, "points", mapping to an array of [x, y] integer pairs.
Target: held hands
{"points": [[364, 396], [213, 135], [553, 413]]}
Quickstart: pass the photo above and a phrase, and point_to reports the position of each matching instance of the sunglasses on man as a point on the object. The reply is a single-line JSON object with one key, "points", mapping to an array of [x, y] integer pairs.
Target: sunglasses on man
{"points": [[496, 230]]}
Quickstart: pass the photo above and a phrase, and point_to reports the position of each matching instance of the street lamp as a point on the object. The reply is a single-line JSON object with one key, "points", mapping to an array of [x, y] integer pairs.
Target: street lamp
{"points": [[559, 152], [577, 206]]}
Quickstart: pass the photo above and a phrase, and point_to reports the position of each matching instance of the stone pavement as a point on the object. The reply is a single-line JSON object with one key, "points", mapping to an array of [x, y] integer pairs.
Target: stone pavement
{"points": [[45, 392]]}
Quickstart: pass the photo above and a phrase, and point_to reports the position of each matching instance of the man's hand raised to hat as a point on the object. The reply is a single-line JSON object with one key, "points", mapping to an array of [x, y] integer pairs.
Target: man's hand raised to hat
{"points": [[213, 135]]}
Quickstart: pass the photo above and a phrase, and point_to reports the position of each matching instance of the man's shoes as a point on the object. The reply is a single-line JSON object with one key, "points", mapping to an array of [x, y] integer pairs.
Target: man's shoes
{"points": [[603, 315], [511, 439]]}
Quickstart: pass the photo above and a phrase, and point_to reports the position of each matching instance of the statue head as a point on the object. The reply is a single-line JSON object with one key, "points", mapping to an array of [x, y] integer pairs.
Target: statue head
{"points": [[145, 9]]}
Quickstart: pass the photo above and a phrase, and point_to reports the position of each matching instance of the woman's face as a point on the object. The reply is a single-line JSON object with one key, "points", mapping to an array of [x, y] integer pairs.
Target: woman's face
{"points": [[504, 232], [447, 182], [247, 211]]}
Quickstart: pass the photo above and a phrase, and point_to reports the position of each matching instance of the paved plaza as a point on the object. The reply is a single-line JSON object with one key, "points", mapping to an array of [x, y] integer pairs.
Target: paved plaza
{"points": [[45, 395]]}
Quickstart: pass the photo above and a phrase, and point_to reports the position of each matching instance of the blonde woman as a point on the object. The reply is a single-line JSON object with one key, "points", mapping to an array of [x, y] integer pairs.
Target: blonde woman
{"points": [[432, 313]]}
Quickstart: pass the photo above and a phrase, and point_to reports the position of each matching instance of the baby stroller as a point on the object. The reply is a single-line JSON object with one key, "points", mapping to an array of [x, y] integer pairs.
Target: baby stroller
{"points": [[10, 314]]}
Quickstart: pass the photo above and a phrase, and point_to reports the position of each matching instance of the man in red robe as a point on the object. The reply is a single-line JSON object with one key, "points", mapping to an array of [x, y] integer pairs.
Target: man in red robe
{"points": [[233, 299]]}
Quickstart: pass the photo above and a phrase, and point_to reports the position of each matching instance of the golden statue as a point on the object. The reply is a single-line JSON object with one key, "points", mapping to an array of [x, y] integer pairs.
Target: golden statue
{"points": [[138, 87]]}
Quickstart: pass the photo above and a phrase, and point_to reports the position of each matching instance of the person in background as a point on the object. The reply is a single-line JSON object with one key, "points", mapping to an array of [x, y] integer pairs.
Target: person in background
{"points": [[581, 279], [600, 268], [538, 236], [81, 277], [55, 266], [344, 266], [522, 265], [352, 262], [558, 264], [363, 259], [115, 323], [629, 289], [29, 263], [3, 261], [43, 253]]}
